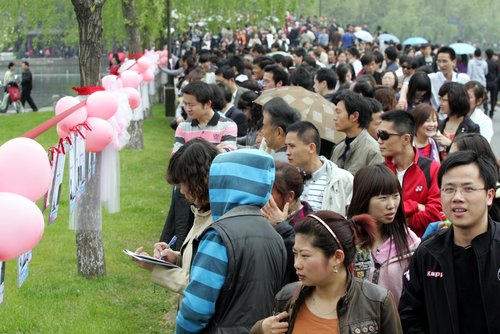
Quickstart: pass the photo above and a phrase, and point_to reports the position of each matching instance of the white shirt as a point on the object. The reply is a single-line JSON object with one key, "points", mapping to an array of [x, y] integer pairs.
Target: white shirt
{"points": [[438, 79], [484, 122]]}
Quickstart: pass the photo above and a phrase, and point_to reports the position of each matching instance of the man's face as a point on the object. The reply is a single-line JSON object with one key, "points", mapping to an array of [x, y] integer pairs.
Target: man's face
{"points": [[298, 152], [12, 68], [343, 121], [331, 57], [376, 120], [257, 72], [467, 206], [24, 67], [297, 60], [195, 109], [319, 87], [270, 133], [206, 66], [446, 65], [394, 144], [369, 68], [219, 79], [408, 71], [269, 80]]}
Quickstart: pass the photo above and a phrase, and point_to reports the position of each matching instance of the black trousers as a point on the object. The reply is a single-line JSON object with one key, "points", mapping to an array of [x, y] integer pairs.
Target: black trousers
{"points": [[26, 97], [493, 89]]}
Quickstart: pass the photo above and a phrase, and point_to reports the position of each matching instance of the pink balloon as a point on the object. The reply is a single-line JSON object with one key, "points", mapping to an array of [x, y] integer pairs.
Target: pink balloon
{"points": [[77, 117], [144, 63], [21, 225], [100, 136], [110, 82], [102, 104], [134, 98], [131, 79], [61, 132], [148, 75], [163, 61], [24, 168]]}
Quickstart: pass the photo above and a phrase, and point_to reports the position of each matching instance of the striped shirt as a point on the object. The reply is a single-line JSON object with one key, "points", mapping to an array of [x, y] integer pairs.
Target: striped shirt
{"points": [[314, 188], [219, 130], [208, 274]]}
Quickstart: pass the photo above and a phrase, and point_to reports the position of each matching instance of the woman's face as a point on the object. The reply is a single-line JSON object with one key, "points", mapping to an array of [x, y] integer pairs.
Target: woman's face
{"points": [[388, 79], [341, 58], [348, 76], [473, 102], [419, 94], [184, 189], [311, 265], [383, 207], [444, 105], [429, 128]]}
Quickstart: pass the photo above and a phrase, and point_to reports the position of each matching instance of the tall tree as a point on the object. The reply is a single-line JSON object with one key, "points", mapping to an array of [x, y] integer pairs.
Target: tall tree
{"points": [[131, 19], [89, 249]]}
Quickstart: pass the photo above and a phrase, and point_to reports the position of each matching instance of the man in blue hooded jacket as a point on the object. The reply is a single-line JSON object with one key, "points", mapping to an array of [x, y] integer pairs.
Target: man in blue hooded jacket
{"points": [[241, 260]]}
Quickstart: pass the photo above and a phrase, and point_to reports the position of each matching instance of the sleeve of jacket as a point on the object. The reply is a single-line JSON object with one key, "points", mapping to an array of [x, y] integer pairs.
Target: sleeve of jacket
{"points": [[389, 319], [242, 123], [208, 274], [412, 310], [174, 279], [421, 219]]}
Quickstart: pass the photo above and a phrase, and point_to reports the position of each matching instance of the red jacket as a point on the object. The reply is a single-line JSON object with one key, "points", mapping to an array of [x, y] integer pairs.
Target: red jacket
{"points": [[420, 186]]}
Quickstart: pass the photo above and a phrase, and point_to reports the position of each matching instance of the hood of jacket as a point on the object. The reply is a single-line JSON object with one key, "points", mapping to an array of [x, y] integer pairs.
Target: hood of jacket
{"points": [[242, 177]]}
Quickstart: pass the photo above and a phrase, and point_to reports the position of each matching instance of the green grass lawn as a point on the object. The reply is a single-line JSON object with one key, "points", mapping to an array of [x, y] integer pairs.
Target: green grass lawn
{"points": [[55, 298]]}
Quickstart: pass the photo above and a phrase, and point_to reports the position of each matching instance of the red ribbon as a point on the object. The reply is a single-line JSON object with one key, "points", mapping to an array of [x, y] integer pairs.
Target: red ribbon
{"points": [[135, 55], [87, 90]]}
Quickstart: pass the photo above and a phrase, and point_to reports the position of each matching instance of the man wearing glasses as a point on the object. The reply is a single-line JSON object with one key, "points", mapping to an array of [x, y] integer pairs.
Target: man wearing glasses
{"points": [[416, 174], [453, 281]]}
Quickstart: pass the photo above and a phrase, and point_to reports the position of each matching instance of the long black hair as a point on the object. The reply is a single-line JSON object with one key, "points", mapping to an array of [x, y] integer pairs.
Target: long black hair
{"points": [[371, 181]]}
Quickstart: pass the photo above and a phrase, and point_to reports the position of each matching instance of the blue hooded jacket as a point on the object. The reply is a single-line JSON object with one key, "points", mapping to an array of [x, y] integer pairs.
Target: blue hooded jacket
{"points": [[242, 177]]}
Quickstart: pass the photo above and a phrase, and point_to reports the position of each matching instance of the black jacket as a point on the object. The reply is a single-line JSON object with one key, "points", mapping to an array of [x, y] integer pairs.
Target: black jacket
{"points": [[467, 126], [27, 80], [428, 302], [239, 118]]}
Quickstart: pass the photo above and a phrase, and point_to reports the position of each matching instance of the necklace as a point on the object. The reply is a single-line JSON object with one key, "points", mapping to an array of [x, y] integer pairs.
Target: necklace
{"points": [[316, 308]]}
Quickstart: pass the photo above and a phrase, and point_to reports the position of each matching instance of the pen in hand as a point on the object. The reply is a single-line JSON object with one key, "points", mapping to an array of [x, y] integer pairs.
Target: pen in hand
{"points": [[170, 244]]}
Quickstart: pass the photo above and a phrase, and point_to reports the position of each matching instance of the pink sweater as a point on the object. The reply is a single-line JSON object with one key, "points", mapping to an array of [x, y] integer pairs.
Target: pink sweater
{"points": [[390, 274]]}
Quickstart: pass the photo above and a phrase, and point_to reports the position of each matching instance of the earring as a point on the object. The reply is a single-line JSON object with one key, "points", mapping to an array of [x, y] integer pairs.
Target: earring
{"points": [[335, 270]]}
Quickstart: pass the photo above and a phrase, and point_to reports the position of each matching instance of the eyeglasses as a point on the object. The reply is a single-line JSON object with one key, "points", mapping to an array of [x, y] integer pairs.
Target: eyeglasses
{"points": [[467, 190], [384, 135]]}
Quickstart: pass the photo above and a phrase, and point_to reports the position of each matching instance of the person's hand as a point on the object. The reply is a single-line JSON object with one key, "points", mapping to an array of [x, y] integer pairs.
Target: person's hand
{"points": [[421, 207], [143, 264], [273, 213], [161, 250], [221, 147], [442, 140], [402, 104], [273, 325]]}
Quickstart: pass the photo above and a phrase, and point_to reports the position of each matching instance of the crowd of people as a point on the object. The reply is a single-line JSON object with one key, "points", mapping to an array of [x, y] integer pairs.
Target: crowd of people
{"points": [[394, 229]]}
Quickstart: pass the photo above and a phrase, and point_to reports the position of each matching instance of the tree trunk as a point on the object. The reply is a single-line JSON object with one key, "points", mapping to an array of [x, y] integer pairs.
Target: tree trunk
{"points": [[89, 249], [131, 20], [135, 130]]}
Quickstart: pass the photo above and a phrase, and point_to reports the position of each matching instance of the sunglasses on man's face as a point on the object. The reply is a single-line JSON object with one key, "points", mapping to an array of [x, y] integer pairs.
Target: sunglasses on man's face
{"points": [[384, 135]]}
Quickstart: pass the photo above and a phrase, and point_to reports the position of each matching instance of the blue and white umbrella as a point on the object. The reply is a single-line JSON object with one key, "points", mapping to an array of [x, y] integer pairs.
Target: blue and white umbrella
{"points": [[463, 48], [388, 38], [364, 36], [415, 41]]}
